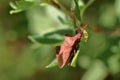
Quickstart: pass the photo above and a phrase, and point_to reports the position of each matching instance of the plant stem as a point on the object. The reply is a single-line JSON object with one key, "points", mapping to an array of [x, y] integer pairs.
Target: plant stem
{"points": [[60, 7]]}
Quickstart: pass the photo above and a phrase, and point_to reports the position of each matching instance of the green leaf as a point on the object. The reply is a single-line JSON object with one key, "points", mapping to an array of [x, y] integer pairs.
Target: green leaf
{"points": [[75, 25], [61, 32], [13, 5], [77, 10], [84, 7], [45, 40], [52, 38], [52, 64], [15, 11], [19, 6], [89, 3], [61, 20], [73, 63]]}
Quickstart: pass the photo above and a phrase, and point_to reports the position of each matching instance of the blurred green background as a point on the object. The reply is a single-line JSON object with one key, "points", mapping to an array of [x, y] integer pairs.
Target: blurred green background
{"points": [[20, 59]]}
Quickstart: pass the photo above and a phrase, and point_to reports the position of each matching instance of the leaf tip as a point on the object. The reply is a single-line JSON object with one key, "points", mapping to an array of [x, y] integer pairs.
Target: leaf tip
{"points": [[15, 11], [52, 64]]}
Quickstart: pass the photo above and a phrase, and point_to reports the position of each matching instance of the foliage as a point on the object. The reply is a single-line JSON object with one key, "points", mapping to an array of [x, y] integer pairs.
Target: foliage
{"points": [[51, 38], [30, 37]]}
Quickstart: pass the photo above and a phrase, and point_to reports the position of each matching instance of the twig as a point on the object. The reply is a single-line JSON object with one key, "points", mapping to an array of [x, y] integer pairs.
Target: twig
{"points": [[56, 4]]}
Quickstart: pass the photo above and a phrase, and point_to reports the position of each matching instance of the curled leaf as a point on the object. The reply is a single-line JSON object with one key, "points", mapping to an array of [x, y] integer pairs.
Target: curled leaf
{"points": [[52, 64], [63, 52]]}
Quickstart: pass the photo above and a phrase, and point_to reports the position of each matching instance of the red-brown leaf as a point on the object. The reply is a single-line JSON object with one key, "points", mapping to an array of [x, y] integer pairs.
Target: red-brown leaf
{"points": [[63, 51]]}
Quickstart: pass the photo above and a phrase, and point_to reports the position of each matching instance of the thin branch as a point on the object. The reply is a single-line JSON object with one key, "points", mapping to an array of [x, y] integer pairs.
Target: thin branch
{"points": [[60, 7]]}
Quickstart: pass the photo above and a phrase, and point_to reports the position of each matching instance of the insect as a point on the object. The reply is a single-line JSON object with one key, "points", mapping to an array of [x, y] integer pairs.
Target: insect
{"points": [[68, 49]]}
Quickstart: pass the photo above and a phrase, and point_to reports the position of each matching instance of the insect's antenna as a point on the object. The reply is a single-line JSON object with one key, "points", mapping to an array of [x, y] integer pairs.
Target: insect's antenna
{"points": [[84, 27], [74, 17], [78, 30]]}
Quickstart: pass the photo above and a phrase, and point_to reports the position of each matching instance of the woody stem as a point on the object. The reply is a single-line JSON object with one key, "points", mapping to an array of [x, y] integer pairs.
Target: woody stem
{"points": [[56, 4]]}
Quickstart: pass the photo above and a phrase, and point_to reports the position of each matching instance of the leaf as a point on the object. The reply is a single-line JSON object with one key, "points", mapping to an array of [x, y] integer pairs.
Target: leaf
{"points": [[73, 63], [15, 11], [52, 64], [13, 5], [84, 7], [61, 32], [89, 3], [61, 20], [75, 24], [45, 40], [77, 10], [63, 52], [52, 38], [19, 6]]}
